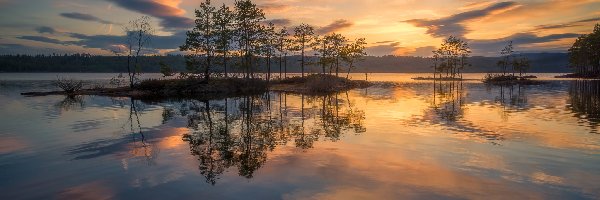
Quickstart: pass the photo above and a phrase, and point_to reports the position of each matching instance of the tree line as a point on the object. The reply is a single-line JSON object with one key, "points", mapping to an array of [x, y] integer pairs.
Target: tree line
{"points": [[540, 62]]}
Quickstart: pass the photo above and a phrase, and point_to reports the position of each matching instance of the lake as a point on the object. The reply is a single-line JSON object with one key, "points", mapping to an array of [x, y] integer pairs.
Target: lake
{"points": [[409, 140]]}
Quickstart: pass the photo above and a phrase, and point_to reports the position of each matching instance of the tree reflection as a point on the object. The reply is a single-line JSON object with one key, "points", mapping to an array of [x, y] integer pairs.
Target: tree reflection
{"points": [[134, 142], [241, 131], [140, 148], [511, 98], [584, 101], [448, 108], [448, 100], [71, 102]]}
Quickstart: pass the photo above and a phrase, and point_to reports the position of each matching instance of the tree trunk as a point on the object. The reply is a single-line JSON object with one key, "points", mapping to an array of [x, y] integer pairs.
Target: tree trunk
{"points": [[268, 68], [207, 68], [129, 71], [285, 65], [349, 68], [225, 63], [302, 60]]}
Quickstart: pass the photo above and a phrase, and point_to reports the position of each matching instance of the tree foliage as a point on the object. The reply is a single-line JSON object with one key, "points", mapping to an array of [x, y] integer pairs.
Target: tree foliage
{"points": [[243, 35], [510, 61], [507, 55], [451, 57], [201, 41], [584, 55], [303, 37]]}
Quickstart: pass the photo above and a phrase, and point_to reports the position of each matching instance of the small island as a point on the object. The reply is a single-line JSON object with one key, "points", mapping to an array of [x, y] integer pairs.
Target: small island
{"points": [[229, 55], [314, 84], [452, 58]]}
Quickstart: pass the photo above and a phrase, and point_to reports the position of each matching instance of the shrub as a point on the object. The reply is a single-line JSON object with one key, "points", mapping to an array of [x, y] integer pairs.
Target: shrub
{"points": [[499, 78], [69, 85]]}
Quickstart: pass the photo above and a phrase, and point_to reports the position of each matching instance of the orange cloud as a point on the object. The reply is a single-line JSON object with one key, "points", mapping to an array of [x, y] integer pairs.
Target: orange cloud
{"points": [[173, 4]]}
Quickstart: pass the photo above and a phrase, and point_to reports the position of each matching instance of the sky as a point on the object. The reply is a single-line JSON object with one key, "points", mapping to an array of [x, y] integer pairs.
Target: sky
{"points": [[391, 27]]}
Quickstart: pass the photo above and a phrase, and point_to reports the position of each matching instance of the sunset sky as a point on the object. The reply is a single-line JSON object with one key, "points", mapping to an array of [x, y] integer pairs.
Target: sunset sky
{"points": [[391, 27]]}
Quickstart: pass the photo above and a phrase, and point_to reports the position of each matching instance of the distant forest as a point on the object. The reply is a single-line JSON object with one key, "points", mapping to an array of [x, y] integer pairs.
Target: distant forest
{"points": [[540, 62]]}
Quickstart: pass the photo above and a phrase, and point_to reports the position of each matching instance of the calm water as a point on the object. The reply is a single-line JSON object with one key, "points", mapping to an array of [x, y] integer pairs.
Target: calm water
{"points": [[418, 139]]}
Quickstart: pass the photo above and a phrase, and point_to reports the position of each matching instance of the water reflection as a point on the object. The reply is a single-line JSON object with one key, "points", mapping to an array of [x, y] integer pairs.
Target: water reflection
{"points": [[71, 102], [133, 141], [584, 100], [512, 98], [460, 107], [448, 100], [240, 131], [292, 146]]}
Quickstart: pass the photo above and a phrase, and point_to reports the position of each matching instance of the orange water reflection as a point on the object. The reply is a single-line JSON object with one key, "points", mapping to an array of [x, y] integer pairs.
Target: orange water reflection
{"points": [[409, 140]]}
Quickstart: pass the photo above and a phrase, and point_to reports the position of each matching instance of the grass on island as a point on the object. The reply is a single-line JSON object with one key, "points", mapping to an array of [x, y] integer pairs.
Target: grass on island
{"points": [[191, 86], [503, 79], [317, 84], [429, 78], [220, 87]]}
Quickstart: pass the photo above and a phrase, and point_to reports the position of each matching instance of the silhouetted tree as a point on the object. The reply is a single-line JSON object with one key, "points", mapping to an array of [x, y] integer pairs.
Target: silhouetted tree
{"points": [[451, 57], [353, 52], [521, 64], [336, 43], [247, 32], [283, 46], [201, 41], [507, 57], [269, 42], [139, 35], [224, 22], [584, 55], [303, 36], [321, 46], [165, 69]]}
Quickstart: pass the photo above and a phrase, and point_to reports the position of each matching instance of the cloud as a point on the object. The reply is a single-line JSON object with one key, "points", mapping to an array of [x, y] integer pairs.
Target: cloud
{"points": [[335, 26], [12, 49], [423, 51], [41, 39], [85, 17], [384, 42], [111, 42], [474, 5], [105, 42], [171, 17], [279, 22], [274, 7], [566, 25], [493, 46], [393, 48], [45, 29], [452, 25]]}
